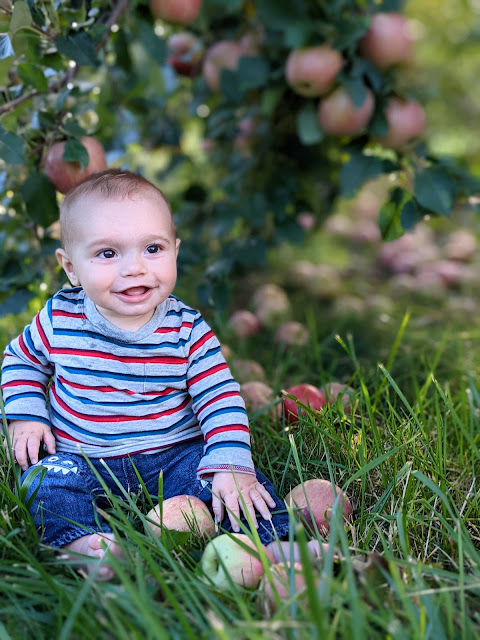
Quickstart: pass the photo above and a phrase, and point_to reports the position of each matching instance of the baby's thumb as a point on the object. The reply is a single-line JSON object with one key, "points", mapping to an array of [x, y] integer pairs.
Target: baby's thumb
{"points": [[49, 440], [217, 507]]}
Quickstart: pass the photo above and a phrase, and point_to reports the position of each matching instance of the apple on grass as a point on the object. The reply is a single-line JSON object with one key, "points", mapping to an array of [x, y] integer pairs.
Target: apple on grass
{"points": [[244, 323], [64, 174], [182, 513], [308, 395], [233, 558], [285, 582], [313, 501]]}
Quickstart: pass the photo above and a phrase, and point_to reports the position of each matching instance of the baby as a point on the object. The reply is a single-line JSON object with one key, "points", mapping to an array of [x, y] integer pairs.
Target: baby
{"points": [[116, 376]]}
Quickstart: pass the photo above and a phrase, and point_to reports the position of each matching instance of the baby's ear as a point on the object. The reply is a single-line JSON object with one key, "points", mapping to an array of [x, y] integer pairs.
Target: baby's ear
{"points": [[177, 245], [67, 265]]}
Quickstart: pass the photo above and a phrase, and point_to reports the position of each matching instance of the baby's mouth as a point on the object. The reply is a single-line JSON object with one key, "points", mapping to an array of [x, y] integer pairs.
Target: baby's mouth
{"points": [[134, 291]]}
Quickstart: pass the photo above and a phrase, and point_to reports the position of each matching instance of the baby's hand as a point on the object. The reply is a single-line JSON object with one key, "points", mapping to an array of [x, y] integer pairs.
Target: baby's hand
{"points": [[226, 490], [25, 438]]}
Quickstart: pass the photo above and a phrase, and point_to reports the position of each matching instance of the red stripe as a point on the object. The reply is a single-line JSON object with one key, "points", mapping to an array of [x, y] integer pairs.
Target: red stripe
{"points": [[184, 325], [208, 372], [109, 356], [92, 418], [28, 383], [42, 335], [222, 396], [25, 350], [106, 389], [201, 341], [66, 436], [233, 427], [67, 314]]}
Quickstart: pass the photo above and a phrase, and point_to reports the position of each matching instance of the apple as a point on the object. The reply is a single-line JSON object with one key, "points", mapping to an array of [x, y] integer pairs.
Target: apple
{"points": [[460, 245], [182, 513], [252, 40], [311, 71], [306, 220], [64, 174], [279, 586], [180, 11], [246, 370], [338, 116], [308, 395], [223, 54], [257, 395], [292, 333], [388, 41], [226, 557], [186, 52], [313, 501], [271, 304], [336, 391], [244, 323], [406, 121]]}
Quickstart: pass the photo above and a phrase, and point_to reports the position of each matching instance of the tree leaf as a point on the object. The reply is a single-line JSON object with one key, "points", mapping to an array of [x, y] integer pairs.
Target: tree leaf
{"points": [[16, 302], [411, 214], [21, 17], [12, 148], [32, 75], [435, 190], [252, 72], [357, 171], [40, 199], [75, 152], [389, 216], [78, 47], [308, 128]]}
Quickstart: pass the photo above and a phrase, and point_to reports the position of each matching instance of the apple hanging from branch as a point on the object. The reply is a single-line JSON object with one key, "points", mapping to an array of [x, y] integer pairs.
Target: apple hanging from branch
{"points": [[311, 71], [338, 116], [388, 40], [176, 11], [65, 174]]}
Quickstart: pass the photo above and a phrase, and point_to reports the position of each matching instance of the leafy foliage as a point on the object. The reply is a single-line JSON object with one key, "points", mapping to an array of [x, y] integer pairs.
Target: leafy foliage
{"points": [[72, 69]]}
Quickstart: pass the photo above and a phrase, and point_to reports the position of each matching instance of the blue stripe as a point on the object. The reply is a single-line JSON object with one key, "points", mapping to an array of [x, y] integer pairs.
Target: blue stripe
{"points": [[50, 311], [120, 436], [212, 389], [220, 412], [20, 367], [27, 394], [125, 345], [180, 312], [123, 376], [29, 417], [28, 339], [103, 403], [228, 444], [208, 354]]}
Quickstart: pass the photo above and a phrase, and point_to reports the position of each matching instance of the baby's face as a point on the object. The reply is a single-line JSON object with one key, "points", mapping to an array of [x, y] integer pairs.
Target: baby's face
{"points": [[124, 255]]}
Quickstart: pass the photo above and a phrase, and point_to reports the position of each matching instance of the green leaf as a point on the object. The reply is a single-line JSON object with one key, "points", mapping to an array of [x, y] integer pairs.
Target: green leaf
{"points": [[155, 47], [357, 171], [252, 72], [78, 47], [12, 148], [32, 75], [290, 18], [308, 128], [75, 152], [435, 190], [16, 303], [349, 30], [389, 217], [21, 17], [356, 89], [255, 209], [40, 199], [411, 214]]}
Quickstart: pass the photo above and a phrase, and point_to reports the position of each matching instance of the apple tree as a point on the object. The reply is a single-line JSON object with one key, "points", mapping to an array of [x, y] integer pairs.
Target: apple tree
{"points": [[245, 113]]}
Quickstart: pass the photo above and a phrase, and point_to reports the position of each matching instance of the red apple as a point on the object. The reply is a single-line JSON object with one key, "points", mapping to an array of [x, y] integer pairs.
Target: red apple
{"points": [[244, 323], [180, 11], [182, 513], [64, 174], [460, 245], [336, 391], [186, 52], [338, 116], [224, 54], [406, 121], [271, 304], [388, 41], [308, 395], [246, 370], [312, 71], [292, 333], [313, 501], [280, 586], [226, 557]]}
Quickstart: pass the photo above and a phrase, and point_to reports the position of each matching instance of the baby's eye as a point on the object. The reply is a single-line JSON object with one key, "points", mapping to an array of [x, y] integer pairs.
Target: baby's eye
{"points": [[153, 248], [107, 253]]}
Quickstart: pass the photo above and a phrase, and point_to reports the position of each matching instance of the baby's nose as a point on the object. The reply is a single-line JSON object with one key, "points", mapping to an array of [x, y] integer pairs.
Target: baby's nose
{"points": [[133, 265]]}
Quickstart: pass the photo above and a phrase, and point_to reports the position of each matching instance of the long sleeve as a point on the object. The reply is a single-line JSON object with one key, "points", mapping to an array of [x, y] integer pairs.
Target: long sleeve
{"points": [[217, 404], [26, 372]]}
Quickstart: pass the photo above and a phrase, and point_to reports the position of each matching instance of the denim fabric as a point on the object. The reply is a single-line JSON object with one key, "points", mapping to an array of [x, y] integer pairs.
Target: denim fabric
{"points": [[64, 506]]}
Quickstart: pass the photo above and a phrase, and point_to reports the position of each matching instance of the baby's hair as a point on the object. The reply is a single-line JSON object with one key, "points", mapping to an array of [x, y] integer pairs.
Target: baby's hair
{"points": [[110, 184]]}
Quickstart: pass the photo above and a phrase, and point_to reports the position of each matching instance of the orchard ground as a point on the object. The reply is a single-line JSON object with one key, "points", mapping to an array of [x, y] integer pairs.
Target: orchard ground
{"points": [[398, 324]]}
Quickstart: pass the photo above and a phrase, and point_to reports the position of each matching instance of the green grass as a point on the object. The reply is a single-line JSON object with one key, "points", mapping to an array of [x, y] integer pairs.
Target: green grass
{"points": [[408, 457]]}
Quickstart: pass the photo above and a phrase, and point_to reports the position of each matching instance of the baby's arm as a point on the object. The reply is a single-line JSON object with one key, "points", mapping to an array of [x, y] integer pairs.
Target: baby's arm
{"points": [[240, 491], [26, 437]]}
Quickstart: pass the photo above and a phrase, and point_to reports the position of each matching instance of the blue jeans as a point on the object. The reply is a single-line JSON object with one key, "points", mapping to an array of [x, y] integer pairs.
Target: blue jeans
{"points": [[64, 504]]}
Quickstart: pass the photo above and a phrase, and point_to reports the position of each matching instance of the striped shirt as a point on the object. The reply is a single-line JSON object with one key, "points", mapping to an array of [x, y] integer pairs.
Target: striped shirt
{"points": [[112, 392]]}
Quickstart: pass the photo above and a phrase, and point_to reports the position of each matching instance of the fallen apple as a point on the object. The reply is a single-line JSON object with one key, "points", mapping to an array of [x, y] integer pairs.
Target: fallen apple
{"points": [[292, 333], [257, 395], [65, 175], [182, 513], [233, 557], [244, 323], [246, 370], [313, 504], [337, 392], [308, 395], [285, 583]]}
